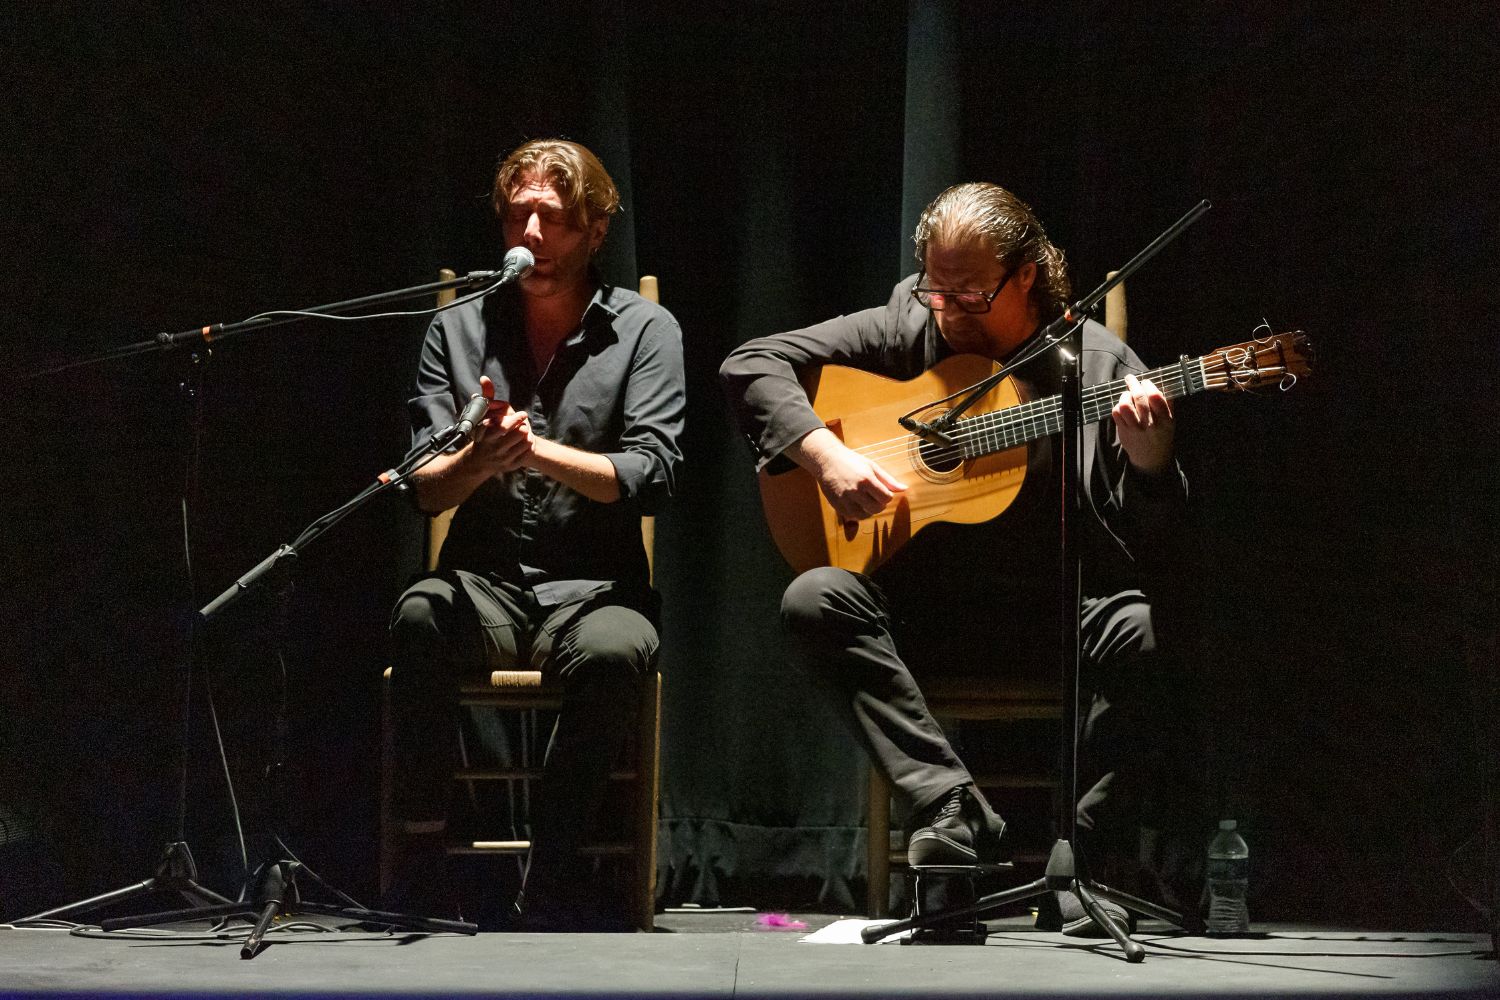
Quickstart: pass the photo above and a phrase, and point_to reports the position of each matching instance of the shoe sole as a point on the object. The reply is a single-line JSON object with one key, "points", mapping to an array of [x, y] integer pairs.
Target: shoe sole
{"points": [[917, 858]]}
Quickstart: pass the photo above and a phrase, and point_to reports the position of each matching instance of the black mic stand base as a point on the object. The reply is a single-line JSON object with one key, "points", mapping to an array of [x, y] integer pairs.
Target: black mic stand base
{"points": [[175, 872], [278, 896], [1061, 876], [276, 881]]}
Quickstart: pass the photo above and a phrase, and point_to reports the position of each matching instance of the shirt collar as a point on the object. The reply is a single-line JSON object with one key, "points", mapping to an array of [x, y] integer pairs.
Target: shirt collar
{"points": [[599, 313], [599, 310]]}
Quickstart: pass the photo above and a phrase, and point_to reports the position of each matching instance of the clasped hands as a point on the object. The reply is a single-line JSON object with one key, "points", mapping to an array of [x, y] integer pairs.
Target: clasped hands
{"points": [[503, 440]]}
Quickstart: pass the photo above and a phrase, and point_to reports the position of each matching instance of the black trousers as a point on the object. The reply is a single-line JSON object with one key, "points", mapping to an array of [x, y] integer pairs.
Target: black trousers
{"points": [[847, 631], [455, 625]]}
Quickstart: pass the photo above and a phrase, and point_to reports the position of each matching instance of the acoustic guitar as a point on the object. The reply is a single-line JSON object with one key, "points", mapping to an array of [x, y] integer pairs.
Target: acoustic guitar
{"points": [[979, 475]]}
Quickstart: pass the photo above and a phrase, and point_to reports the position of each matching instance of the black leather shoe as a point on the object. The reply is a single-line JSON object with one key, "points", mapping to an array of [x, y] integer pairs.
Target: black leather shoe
{"points": [[957, 833], [1077, 923]]}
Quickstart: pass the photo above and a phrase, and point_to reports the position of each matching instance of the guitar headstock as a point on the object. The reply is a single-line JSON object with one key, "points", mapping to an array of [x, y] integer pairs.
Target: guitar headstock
{"points": [[1279, 359]]}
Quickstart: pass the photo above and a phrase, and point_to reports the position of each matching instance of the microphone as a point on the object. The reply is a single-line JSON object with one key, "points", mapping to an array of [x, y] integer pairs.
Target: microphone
{"points": [[474, 411], [518, 263]]}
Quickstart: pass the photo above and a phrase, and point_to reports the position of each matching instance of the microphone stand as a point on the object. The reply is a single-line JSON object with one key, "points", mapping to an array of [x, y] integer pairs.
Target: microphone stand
{"points": [[175, 870], [276, 889], [214, 333], [1062, 873]]}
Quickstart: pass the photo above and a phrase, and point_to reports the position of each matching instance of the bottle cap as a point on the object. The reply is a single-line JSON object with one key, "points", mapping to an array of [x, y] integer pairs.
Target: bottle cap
{"points": [[1227, 824]]}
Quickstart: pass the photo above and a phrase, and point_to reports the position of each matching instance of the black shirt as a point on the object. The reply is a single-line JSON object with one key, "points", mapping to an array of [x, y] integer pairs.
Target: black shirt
{"points": [[900, 340], [614, 387]]}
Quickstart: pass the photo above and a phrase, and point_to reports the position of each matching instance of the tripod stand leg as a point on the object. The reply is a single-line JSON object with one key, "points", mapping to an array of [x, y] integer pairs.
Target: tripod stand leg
{"points": [[280, 895], [1060, 877], [206, 903], [253, 943], [172, 916], [1134, 952], [84, 905], [1140, 905], [389, 919], [175, 872], [199, 895], [876, 932]]}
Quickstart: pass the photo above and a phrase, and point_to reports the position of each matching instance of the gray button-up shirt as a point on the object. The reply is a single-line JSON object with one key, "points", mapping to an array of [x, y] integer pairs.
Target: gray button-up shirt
{"points": [[615, 387]]}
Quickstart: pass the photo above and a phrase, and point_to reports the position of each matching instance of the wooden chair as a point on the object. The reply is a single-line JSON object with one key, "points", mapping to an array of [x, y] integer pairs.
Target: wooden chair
{"points": [[525, 691], [987, 698], [1114, 309]]}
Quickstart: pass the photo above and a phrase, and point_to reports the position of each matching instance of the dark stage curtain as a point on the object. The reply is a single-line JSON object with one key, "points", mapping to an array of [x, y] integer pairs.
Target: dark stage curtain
{"points": [[791, 219], [170, 169]]}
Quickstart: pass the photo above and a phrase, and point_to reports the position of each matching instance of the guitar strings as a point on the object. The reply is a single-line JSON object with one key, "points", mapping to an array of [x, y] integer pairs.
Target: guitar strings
{"points": [[998, 422], [993, 424], [988, 424]]}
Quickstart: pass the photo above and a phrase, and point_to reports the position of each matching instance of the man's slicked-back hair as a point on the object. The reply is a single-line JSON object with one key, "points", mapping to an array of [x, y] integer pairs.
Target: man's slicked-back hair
{"points": [[988, 215], [581, 181]]}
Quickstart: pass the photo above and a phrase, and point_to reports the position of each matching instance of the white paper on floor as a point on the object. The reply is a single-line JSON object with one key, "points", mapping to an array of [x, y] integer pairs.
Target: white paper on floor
{"points": [[847, 932]]}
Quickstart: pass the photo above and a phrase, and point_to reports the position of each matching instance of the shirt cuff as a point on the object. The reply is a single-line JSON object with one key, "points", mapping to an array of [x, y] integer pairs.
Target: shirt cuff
{"points": [[636, 474], [788, 430], [1160, 487]]}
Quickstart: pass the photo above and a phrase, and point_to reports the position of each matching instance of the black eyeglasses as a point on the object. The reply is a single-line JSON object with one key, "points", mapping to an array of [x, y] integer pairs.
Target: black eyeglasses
{"points": [[937, 299]]}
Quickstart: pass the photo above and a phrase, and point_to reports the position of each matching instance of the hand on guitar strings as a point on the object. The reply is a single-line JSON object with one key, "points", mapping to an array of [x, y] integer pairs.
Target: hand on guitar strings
{"points": [[856, 487], [1143, 419]]}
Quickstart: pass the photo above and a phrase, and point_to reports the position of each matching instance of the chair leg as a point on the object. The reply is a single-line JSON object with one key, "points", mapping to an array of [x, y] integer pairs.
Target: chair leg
{"points": [[878, 845], [648, 794], [387, 790]]}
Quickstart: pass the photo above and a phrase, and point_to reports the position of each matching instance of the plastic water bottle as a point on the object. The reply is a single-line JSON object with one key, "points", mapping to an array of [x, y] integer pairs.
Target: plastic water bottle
{"points": [[1228, 880]]}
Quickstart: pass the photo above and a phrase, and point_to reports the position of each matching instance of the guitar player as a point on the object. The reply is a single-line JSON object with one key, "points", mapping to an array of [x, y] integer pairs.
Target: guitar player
{"points": [[979, 596]]}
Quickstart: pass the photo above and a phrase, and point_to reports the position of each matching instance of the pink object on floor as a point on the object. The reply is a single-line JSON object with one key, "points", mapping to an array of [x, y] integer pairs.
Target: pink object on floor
{"points": [[780, 922]]}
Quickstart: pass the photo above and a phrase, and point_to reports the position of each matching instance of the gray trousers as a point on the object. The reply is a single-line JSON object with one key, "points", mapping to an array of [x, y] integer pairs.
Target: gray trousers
{"points": [[846, 632], [458, 625]]}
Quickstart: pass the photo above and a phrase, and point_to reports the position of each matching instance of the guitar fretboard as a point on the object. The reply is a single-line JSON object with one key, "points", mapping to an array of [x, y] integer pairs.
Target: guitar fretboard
{"points": [[986, 433]]}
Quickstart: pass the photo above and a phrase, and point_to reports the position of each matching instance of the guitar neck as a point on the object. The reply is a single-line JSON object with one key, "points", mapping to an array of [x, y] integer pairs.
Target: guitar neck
{"points": [[986, 433]]}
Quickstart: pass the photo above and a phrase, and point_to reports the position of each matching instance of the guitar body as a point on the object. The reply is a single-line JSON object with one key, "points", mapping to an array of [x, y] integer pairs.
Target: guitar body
{"points": [[942, 485], [864, 411]]}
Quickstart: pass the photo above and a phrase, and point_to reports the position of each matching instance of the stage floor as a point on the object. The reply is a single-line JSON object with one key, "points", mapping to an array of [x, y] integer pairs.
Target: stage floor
{"points": [[725, 955]]}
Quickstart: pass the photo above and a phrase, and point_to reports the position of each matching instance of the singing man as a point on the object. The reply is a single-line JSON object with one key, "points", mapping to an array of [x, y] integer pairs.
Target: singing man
{"points": [[543, 567]]}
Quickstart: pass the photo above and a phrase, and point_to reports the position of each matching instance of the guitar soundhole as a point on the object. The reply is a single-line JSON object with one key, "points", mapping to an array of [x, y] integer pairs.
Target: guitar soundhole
{"points": [[939, 458]]}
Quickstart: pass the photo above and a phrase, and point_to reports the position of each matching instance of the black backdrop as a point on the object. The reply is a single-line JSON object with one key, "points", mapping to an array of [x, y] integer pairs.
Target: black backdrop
{"points": [[169, 169]]}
